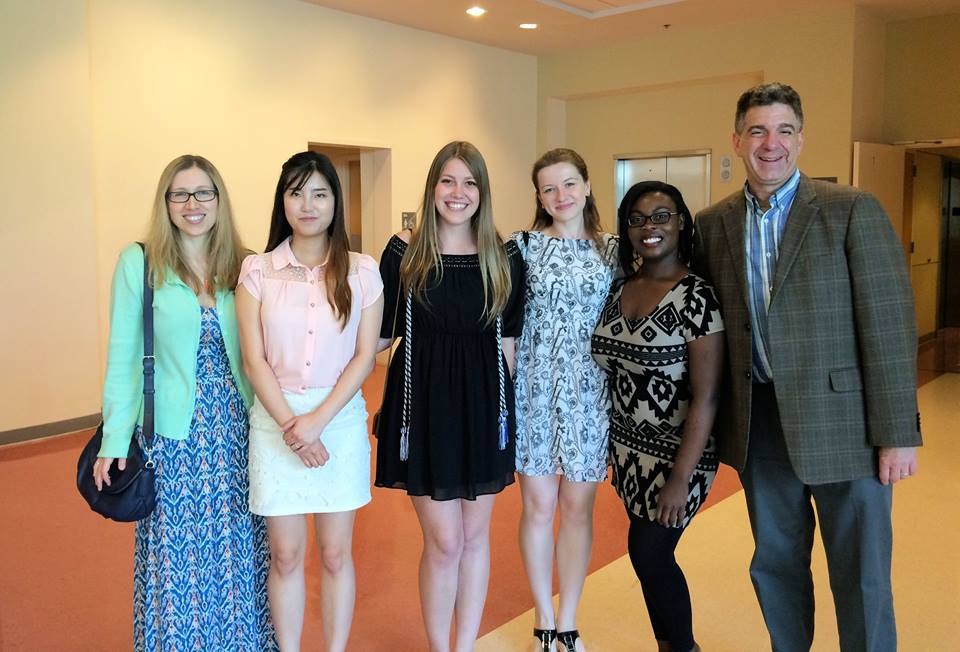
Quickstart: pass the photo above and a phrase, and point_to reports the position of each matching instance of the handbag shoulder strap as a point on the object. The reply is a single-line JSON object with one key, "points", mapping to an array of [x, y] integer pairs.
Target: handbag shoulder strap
{"points": [[525, 237], [148, 358], [522, 242], [393, 334]]}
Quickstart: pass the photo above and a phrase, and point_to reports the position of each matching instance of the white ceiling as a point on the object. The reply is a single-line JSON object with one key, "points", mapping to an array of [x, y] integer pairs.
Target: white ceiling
{"points": [[566, 24]]}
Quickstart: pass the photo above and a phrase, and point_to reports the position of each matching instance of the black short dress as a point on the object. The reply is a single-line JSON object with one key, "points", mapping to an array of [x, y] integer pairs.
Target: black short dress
{"points": [[454, 438]]}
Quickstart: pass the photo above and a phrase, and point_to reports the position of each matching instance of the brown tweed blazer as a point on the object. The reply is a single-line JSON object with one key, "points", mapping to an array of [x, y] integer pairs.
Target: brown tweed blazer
{"points": [[842, 331]]}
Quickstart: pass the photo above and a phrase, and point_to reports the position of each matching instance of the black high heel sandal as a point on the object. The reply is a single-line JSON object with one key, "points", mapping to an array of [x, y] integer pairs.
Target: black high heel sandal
{"points": [[568, 640], [546, 638]]}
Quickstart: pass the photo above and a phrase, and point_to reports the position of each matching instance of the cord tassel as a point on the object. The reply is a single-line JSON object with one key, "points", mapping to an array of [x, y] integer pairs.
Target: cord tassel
{"points": [[504, 430], [502, 427], [407, 382], [404, 443]]}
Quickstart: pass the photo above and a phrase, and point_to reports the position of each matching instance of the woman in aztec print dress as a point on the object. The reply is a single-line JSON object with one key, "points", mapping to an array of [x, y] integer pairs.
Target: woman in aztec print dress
{"points": [[309, 311], [660, 341], [562, 403], [200, 559]]}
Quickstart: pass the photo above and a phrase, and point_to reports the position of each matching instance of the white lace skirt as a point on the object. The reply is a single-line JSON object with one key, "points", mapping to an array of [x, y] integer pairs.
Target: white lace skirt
{"points": [[280, 484]]}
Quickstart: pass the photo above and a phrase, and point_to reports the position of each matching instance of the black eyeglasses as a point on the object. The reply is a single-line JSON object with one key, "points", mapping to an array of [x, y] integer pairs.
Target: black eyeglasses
{"points": [[639, 219], [182, 196]]}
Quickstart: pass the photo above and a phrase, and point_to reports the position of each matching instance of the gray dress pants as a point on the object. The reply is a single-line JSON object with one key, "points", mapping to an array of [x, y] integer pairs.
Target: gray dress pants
{"points": [[857, 536]]}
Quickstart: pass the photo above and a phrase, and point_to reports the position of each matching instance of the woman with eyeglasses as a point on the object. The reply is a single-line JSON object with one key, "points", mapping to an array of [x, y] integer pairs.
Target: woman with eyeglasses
{"points": [[309, 312], [200, 559], [660, 341]]}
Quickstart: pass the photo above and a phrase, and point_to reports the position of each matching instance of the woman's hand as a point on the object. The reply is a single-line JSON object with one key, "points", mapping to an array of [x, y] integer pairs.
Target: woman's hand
{"points": [[672, 502], [101, 470], [303, 429], [313, 455], [302, 435]]}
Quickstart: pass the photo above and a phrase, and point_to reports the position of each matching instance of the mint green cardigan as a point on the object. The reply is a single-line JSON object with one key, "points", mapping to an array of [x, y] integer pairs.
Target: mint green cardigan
{"points": [[176, 326]]}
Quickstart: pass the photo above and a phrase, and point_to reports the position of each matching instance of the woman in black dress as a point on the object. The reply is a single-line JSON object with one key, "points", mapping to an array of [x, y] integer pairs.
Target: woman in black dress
{"points": [[660, 340], [454, 294]]}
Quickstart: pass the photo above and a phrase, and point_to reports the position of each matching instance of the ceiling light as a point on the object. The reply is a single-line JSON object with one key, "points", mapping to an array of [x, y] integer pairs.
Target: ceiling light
{"points": [[528, 26], [476, 11]]}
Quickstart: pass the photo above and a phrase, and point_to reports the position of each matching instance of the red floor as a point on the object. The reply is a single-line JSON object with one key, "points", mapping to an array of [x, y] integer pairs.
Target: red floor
{"points": [[66, 574]]}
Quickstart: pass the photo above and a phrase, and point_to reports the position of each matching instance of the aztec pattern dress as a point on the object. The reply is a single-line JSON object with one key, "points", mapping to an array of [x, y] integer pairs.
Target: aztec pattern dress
{"points": [[562, 404], [646, 361], [201, 559]]}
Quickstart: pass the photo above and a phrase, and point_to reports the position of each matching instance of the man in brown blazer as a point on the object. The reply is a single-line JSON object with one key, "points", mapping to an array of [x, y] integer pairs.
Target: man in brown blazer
{"points": [[819, 400]]}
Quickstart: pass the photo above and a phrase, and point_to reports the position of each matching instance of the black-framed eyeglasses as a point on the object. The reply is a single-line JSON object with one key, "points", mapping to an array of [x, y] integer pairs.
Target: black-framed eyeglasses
{"points": [[182, 196], [639, 219]]}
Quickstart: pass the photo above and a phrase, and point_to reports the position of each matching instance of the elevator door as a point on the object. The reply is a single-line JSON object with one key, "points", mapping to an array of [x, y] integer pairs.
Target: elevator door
{"points": [[689, 173]]}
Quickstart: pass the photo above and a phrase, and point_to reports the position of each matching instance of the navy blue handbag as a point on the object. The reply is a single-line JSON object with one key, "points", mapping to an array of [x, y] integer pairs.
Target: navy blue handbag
{"points": [[131, 495]]}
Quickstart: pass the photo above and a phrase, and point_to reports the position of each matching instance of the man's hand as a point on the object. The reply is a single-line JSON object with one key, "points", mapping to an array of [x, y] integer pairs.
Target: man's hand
{"points": [[896, 464]]}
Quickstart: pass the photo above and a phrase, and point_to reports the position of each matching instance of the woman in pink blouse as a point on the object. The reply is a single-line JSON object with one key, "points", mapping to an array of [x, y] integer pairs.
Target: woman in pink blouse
{"points": [[309, 314]]}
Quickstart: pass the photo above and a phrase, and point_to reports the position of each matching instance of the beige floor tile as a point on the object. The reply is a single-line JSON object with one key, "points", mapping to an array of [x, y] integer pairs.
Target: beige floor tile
{"points": [[715, 554]]}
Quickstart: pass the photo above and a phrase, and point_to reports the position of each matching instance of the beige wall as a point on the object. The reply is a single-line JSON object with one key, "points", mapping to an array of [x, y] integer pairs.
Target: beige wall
{"points": [[869, 59], [922, 98], [99, 94], [48, 332], [647, 121], [106, 92], [678, 91], [277, 75], [922, 101]]}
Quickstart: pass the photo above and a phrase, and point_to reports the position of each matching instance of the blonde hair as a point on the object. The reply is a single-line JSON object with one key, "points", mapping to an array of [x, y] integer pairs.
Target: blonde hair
{"points": [[224, 250], [423, 254]]}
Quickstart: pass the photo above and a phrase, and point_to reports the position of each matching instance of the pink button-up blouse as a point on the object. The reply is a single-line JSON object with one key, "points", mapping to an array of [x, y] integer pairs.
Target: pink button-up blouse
{"points": [[302, 338]]}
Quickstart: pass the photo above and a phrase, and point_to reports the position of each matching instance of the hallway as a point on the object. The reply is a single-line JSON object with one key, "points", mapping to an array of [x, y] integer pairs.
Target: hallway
{"points": [[66, 575]]}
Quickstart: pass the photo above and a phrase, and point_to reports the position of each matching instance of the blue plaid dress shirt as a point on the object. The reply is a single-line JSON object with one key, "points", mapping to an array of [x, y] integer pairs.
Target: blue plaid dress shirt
{"points": [[764, 229]]}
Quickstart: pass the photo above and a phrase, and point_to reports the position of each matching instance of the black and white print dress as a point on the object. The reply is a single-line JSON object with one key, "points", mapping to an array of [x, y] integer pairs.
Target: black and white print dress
{"points": [[561, 394], [646, 364]]}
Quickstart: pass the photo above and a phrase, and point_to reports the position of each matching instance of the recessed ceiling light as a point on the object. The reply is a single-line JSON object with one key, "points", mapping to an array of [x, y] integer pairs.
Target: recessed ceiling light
{"points": [[528, 26], [476, 11]]}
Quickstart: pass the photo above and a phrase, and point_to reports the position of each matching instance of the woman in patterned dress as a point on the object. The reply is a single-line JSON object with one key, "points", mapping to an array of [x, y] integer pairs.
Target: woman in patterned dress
{"points": [[309, 312], [660, 341], [562, 417], [200, 559], [446, 431]]}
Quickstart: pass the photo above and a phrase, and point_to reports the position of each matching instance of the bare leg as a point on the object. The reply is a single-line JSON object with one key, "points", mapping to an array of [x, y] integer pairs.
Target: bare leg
{"points": [[285, 583], [474, 569], [334, 532], [574, 540], [442, 525], [540, 495]]}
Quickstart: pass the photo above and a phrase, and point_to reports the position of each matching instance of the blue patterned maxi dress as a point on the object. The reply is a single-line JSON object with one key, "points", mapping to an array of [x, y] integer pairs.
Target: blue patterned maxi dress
{"points": [[201, 559]]}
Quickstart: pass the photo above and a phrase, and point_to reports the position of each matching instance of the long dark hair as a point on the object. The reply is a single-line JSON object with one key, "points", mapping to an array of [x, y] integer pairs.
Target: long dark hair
{"points": [[625, 252], [294, 174]]}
